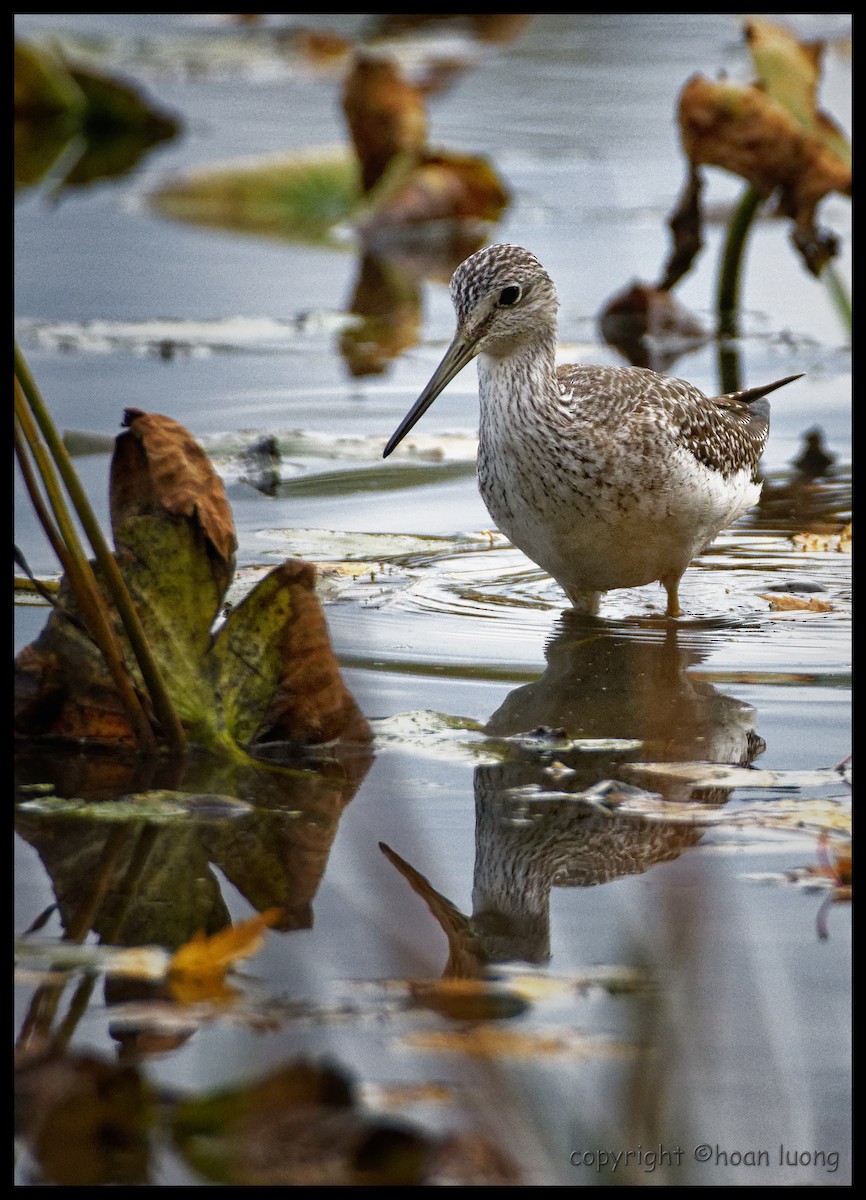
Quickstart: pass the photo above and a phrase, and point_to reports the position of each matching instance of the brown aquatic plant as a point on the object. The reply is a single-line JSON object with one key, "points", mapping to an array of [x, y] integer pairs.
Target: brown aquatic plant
{"points": [[266, 674], [771, 133]]}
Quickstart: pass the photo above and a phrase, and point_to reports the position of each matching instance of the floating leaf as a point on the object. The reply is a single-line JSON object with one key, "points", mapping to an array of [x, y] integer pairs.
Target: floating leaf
{"points": [[156, 806], [712, 775], [207, 959], [104, 124], [291, 197], [783, 603], [137, 962], [616, 980]]}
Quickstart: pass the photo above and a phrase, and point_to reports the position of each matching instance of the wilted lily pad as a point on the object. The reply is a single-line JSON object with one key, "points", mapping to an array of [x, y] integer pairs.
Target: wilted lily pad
{"points": [[772, 133], [291, 197], [390, 181], [59, 103], [267, 675]]}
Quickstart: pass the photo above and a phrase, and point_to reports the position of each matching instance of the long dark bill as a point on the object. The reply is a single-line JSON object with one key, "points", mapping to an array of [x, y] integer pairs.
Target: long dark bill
{"points": [[459, 353]]}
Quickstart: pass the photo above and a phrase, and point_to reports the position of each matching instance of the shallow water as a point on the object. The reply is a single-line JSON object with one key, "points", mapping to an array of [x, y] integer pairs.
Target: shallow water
{"points": [[527, 763]]}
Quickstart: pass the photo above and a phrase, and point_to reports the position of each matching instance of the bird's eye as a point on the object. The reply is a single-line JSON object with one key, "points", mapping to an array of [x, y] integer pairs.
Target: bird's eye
{"points": [[509, 296]]}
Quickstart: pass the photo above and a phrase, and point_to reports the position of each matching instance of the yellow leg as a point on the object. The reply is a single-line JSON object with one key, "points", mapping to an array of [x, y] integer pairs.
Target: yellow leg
{"points": [[673, 609]]}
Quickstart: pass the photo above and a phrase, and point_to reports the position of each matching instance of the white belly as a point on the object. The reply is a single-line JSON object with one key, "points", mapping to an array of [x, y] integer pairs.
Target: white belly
{"points": [[595, 527]]}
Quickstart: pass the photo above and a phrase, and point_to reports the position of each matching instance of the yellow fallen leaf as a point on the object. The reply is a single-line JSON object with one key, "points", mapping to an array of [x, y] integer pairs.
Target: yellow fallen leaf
{"points": [[785, 603], [208, 958]]}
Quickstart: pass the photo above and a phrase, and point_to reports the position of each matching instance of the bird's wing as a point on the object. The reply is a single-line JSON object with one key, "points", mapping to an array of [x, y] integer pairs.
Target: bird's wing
{"points": [[724, 433]]}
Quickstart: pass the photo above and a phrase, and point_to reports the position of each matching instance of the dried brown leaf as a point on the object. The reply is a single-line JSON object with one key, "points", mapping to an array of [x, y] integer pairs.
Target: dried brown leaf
{"points": [[772, 135], [322, 47], [468, 999], [385, 113], [441, 187], [269, 674], [158, 466], [63, 691], [835, 861], [310, 702], [742, 129]]}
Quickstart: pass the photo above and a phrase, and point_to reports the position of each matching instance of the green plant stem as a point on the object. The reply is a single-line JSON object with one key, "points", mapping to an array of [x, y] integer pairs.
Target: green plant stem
{"points": [[36, 499], [728, 295], [79, 571], [172, 728]]}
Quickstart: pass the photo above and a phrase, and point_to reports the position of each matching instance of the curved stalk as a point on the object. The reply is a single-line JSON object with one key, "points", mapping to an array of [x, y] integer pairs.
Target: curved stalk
{"points": [[171, 727], [64, 538], [728, 294]]}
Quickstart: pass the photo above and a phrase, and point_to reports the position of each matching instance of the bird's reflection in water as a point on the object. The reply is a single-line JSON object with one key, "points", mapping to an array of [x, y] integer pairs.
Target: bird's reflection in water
{"points": [[545, 815]]}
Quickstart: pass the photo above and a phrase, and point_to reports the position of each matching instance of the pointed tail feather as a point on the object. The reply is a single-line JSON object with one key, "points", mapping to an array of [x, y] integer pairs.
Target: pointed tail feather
{"points": [[749, 395]]}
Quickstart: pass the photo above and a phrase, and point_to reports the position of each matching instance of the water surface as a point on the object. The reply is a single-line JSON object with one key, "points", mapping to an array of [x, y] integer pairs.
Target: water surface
{"points": [[511, 740]]}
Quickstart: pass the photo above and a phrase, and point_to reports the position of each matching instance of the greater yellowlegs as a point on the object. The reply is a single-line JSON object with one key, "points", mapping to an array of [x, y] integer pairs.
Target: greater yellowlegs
{"points": [[607, 477]]}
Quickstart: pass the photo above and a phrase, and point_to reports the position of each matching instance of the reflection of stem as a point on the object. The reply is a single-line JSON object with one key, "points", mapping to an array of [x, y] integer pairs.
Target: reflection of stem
{"points": [[729, 368], [838, 294], [728, 298], [145, 842], [85, 917], [45, 1000], [81, 998]]}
